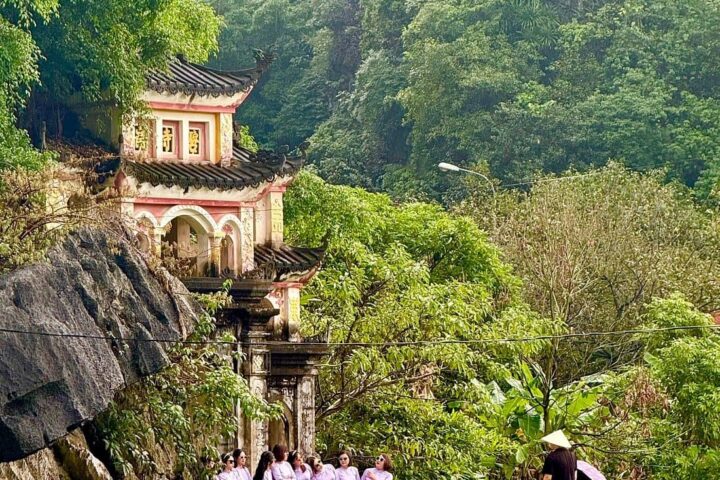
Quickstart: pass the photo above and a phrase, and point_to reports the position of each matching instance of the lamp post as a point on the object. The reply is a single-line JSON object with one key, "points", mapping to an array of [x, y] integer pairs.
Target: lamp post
{"points": [[449, 167]]}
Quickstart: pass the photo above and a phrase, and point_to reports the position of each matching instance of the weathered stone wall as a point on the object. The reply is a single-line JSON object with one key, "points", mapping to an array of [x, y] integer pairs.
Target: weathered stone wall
{"points": [[94, 284]]}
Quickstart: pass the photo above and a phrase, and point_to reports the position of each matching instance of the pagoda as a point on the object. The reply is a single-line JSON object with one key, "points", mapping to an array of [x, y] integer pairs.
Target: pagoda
{"points": [[214, 209]]}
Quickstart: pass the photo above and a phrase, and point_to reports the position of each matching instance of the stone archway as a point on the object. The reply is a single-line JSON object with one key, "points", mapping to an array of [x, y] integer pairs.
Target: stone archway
{"points": [[231, 242], [186, 240], [282, 430]]}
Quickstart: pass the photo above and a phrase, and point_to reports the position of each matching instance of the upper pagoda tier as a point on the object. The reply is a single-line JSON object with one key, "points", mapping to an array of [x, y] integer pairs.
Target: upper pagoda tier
{"points": [[189, 115]]}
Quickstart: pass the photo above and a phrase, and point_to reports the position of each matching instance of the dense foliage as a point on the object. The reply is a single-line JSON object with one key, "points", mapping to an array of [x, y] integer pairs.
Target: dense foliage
{"points": [[593, 251], [407, 274], [449, 408], [388, 88], [422, 306]]}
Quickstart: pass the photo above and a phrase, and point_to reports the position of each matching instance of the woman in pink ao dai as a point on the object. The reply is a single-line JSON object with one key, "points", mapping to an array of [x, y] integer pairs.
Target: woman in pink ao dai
{"points": [[302, 469], [281, 469], [320, 471], [346, 471], [383, 467]]}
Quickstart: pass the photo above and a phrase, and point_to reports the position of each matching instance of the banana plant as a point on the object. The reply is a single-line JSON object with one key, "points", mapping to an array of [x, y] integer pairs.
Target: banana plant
{"points": [[532, 407]]}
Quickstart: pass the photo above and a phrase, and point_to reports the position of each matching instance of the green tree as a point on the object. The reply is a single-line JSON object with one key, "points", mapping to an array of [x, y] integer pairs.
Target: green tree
{"points": [[18, 73], [593, 251], [102, 50], [317, 54], [408, 273]]}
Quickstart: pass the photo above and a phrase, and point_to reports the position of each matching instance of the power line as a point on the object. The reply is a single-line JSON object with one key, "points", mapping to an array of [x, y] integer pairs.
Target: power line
{"points": [[566, 336]]}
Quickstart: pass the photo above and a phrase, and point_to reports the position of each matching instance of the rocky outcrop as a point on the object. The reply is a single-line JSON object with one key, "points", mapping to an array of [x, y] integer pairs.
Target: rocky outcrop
{"points": [[69, 459], [76, 329]]}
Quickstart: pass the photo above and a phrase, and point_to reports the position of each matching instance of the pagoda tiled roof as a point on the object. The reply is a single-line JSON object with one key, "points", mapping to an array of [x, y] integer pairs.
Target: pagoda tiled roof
{"points": [[286, 259], [190, 78], [248, 169]]}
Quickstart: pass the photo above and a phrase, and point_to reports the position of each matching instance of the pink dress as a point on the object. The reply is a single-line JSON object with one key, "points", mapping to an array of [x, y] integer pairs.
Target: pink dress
{"points": [[306, 475], [231, 475], [282, 471], [242, 473], [349, 473], [379, 474], [327, 473]]}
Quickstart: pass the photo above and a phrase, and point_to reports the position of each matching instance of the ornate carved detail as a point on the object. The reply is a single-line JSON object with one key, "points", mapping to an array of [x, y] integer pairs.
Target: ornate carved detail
{"points": [[142, 137], [258, 363], [283, 383], [226, 133], [247, 260]]}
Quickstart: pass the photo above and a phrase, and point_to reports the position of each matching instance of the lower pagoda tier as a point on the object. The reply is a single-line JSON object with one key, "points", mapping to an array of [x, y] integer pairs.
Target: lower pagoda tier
{"points": [[278, 369]]}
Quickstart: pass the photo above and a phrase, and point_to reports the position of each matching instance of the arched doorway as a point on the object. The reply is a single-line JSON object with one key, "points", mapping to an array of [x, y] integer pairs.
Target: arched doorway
{"points": [[186, 247], [279, 433]]}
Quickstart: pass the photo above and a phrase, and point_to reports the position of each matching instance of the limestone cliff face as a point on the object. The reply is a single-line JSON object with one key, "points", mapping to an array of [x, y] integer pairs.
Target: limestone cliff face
{"points": [[96, 285]]}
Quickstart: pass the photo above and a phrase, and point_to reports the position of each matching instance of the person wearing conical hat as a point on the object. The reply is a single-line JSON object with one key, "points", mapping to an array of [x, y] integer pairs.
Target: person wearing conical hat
{"points": [[560, 463]]}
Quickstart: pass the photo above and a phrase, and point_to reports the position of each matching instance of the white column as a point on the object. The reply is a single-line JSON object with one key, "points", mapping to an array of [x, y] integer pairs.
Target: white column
{"points": [[275, 219], [184, 151], [261, 224], [158, 137], [291, 312], [305, 414], [157, 241], [224, 126]]}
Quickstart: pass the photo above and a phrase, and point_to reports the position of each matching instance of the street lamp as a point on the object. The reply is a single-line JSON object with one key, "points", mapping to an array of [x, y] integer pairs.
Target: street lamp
{"points": [[449, 167]]}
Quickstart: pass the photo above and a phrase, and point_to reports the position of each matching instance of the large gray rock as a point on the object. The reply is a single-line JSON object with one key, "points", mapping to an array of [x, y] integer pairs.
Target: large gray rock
{"points": [[94, 284]]}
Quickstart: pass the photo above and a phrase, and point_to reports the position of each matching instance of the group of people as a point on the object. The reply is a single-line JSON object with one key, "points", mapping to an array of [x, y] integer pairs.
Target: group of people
{"points": [[279, 464]]}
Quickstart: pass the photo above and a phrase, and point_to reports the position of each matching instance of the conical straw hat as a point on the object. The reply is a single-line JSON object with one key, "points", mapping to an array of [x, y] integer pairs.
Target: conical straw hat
{"points": [[557, 438]]}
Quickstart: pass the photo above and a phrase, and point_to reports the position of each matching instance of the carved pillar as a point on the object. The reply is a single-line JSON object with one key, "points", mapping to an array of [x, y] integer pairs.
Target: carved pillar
{"points": [[305, 414], [127, 132], [275, 204], [157, 143], [256, 371], [157, 241], [215, 245], [262, 213], [247, 242]]}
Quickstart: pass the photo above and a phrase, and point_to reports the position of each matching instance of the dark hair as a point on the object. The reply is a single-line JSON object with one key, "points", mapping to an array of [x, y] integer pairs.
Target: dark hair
{"points": [[344, 452], [294, 455], [279, 451], [236, 453], [312, 461], [388, 463], [266, 459], [225, 457]]}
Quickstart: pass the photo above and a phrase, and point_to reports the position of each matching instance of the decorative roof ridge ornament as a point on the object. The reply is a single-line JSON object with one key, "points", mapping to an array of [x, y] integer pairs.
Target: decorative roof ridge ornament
{"points": [[263, 61]]}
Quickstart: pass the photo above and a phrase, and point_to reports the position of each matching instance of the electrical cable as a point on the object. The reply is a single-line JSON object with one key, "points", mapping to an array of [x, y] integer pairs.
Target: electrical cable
{"points": [[566, 336]]}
